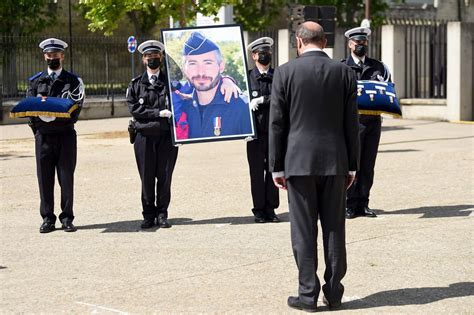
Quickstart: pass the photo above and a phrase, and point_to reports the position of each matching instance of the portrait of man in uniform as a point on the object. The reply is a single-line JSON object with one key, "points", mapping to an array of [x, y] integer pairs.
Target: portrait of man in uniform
{"points": [[202, 64]]}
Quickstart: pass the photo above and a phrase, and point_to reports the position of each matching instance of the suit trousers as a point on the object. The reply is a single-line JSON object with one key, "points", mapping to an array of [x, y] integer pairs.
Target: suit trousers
{"points": [[264, 192], [56, 152], [310, 198], [370, 128], [156, 157]]}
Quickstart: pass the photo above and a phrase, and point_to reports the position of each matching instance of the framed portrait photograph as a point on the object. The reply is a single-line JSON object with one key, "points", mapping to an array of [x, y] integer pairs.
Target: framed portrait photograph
{"points": [[207, 75]]}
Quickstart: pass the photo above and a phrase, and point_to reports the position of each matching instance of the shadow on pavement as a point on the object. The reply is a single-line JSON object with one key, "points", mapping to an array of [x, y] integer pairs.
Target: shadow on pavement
{"points": [[391, 128], [284, 217], [406, 126], [117, 227], [398, 151], [424, 140], [134, 225], [412, 296], [434, 211], [8, 156]]}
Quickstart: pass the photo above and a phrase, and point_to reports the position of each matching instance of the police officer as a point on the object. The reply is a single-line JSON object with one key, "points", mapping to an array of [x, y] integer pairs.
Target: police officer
{"points": [[55, 138], [264, 192], [370, 126], [148, 102]]}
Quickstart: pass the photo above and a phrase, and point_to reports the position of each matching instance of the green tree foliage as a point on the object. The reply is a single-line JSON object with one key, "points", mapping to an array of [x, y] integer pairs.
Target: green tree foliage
{"points": [[20, 17], [25, 16], [146, 15], [257, 15]]}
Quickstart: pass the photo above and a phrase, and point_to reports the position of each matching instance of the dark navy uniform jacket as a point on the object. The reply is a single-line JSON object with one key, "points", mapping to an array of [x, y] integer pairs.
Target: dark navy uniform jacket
{"points": [[235, 116], [261, 85], [372, 69], [145, 101], [41, 84]]}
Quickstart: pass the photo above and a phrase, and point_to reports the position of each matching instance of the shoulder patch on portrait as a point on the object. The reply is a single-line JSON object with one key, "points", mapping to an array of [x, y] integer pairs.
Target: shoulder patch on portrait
{"points": [[35, 76]]}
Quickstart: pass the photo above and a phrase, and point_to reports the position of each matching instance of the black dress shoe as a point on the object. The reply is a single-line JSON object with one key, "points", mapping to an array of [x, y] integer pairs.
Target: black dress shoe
{"points": [[366, 212], [69, 227], [148, 223], [47, 227], [259, 218], [162, 222], [350, 213], [272, 218], [331, 306], [294, 302]]}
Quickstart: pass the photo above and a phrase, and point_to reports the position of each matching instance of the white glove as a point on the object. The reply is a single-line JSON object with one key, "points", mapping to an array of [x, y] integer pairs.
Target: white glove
{"points": [[255, 102], [46, 118], [165, 113]]}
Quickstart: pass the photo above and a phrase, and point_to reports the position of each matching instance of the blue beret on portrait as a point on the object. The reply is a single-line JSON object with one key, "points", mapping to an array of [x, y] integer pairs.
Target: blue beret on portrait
{"points": [[376, 97], [44, 106], [198, 44]]}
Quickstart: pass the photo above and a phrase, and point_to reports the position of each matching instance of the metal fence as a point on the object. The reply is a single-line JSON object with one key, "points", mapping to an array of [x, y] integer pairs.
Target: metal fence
{"points": [[425, 59], [103, 63]]}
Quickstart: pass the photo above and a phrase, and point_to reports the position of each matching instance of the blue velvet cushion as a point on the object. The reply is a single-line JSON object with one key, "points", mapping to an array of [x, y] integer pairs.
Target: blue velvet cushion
{"points": [[44, 106], [375, 97]]}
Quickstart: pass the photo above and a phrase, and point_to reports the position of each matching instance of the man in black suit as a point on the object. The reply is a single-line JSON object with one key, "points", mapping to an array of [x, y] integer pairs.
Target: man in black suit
{"points": [[370, 122], [314, 150]]}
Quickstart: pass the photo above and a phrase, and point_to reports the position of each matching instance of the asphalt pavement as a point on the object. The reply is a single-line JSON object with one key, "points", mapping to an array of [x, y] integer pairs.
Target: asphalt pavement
{"points": [[416, 257]]}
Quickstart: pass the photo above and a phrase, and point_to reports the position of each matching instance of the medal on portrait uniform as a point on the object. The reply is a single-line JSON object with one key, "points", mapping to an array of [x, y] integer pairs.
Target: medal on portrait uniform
{"points": [[217, 125]]}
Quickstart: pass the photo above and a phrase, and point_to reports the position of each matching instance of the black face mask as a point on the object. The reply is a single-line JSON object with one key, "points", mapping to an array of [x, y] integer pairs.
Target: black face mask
{"points": [[264, 58], [53, 64], [360, 50], [153, 63]]}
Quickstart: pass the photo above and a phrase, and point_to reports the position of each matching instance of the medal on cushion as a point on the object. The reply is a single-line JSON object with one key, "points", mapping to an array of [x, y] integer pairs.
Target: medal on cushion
{"points": [[217, 125]]}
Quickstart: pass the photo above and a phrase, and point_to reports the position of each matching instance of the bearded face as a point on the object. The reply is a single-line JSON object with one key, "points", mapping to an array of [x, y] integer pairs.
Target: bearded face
{"points": [[203, 71]]}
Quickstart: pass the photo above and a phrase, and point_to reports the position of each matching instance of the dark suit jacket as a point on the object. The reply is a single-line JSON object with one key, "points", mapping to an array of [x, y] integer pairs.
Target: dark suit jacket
{"points": [[314, 128], [370, 70], [41, 84]]}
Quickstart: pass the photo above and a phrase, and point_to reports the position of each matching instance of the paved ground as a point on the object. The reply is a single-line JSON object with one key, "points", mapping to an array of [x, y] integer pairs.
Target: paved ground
{"points": [[415, 257]]}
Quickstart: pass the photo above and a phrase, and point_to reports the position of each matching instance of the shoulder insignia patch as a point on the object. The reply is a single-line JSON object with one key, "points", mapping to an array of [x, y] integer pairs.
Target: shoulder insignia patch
{"points": [[35, 76]]}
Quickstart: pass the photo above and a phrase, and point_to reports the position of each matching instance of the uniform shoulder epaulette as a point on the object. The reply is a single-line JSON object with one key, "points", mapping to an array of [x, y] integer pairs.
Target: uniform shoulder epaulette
{"points": [[72, 73], [136, 78], [35, 76]]}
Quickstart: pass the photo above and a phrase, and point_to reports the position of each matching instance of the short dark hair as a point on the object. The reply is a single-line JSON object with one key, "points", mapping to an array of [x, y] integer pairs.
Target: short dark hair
{"points": [[310, 36]]}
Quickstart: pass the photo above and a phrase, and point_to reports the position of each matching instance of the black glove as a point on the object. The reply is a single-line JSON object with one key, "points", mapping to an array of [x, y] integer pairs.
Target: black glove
{"points": [[132, 131]]}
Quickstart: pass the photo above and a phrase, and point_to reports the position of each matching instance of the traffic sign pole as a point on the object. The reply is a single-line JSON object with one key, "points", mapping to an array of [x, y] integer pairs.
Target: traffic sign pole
{"points": [[133, 65], [132, 46]]}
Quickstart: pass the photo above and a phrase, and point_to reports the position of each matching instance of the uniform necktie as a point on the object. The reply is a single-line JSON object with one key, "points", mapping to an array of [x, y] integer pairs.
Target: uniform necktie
{"points": [[153, 79], [360, 63], [53, 76]]}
